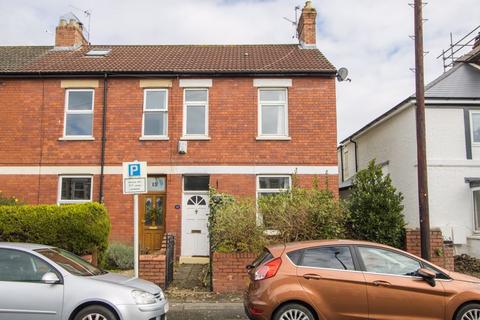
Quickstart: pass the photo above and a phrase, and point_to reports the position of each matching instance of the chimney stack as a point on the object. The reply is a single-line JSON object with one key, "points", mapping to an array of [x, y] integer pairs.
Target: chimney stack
{"points": [[69, 34], [306, 28]]}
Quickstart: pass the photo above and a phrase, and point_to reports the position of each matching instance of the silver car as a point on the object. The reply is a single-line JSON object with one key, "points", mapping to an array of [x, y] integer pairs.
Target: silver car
{"points": [[46, 283]]}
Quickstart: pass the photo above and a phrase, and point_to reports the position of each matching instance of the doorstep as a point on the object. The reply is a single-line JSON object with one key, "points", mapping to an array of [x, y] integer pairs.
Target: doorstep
{"points": [[194, 260]]}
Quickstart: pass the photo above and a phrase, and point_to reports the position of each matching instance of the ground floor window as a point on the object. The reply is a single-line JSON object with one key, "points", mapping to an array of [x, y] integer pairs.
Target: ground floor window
{"points": [[476, 208], [75, 189], [270, 185]]}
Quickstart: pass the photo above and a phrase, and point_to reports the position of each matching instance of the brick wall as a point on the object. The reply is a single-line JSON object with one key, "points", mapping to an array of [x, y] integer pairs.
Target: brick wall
{"points": [[32, 122], [152, 268], [441, 252], [229, 272]]}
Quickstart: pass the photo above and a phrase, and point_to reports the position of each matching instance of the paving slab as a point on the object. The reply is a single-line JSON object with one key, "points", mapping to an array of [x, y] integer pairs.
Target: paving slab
{"points": [[206, 311]]}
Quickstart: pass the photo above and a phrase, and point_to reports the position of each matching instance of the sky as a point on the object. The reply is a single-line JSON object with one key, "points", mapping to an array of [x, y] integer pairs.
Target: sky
{"points": [[371, 38]]}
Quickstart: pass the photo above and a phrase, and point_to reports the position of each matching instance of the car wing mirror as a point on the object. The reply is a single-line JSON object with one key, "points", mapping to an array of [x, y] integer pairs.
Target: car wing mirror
{"points": [[50, 278], [427, 275]]}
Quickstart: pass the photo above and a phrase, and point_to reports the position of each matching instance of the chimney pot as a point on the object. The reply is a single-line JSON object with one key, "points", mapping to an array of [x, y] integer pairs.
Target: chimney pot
{"points": [[307, 25]]}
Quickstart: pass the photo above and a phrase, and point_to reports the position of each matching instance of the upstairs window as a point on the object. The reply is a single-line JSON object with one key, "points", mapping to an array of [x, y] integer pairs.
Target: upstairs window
{"points": [[79, 113], [475, 127], [270, 186], [155, 113], [273, 113], [195, 120], [75, 189]]}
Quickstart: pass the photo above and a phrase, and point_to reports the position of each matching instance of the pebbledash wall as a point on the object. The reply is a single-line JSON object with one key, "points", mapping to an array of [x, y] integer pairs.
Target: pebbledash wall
{"points": [[33, 153]]}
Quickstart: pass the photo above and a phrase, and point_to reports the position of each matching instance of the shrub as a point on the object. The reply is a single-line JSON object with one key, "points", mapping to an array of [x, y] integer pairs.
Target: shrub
{"points": [[303, 214], [79, 228], [234, 227], [8, 201], [376, 208], [119, 256]]}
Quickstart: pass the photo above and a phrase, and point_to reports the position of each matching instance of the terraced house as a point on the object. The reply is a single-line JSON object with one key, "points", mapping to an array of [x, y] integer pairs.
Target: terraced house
{"points": [[240, 118]]}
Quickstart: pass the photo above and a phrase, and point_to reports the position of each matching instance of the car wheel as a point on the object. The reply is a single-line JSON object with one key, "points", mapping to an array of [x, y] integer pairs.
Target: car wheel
{"points": [[95, 313], [293, 311], [469, 312]]}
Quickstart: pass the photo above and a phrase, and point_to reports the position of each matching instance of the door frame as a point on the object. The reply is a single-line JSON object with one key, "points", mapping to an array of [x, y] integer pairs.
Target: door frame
{"points": [[184, 203]]}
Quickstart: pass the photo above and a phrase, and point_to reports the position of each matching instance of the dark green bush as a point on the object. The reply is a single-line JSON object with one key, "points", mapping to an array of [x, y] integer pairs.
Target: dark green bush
{"points": [[119, 256], [79, 228], [376, 208]]}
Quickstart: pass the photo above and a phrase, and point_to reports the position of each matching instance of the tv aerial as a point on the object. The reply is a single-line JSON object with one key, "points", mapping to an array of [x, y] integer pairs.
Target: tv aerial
{"points": [[294, 22]]}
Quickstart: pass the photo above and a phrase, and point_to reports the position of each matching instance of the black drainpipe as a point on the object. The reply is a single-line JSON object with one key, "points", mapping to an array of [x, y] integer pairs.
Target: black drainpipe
{"points": [[104, 138], [356, 158], [341, 163]]}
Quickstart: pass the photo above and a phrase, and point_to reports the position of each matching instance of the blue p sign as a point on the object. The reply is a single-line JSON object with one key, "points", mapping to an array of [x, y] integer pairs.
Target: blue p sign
{"points": [[134, 170]]}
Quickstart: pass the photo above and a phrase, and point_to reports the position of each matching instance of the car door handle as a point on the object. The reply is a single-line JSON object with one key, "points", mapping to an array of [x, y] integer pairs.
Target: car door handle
{"points": [[314, 276], [381, 283]]}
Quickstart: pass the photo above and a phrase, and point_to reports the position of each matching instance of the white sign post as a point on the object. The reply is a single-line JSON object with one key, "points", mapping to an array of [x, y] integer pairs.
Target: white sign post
{"points": [[135, 182]]}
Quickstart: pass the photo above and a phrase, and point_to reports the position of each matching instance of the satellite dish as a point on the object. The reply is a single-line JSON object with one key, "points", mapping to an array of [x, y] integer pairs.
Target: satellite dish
{"points": [[342, 74]]}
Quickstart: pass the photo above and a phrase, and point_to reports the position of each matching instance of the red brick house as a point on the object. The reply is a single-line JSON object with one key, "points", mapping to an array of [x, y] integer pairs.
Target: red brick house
{"points": [[240, 118]]}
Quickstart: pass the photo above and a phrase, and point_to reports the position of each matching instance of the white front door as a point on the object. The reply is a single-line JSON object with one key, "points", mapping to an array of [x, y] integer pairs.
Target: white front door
{"points": [[195, 224]]}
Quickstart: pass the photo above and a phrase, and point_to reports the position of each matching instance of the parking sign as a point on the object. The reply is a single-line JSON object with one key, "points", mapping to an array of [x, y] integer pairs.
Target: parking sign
{"points": [[134, 177]]}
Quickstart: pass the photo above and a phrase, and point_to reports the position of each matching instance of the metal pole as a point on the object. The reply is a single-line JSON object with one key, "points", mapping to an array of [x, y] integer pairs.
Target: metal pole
{"points": [[135, 233], [421, 142]]}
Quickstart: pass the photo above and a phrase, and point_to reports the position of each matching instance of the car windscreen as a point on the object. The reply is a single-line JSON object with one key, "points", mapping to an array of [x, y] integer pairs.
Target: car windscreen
{"points": [[70, 262]]}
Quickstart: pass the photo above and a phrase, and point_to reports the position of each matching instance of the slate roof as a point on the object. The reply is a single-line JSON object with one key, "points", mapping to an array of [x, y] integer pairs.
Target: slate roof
{"points": [[17, 57], [462, 81], [165, 59]]}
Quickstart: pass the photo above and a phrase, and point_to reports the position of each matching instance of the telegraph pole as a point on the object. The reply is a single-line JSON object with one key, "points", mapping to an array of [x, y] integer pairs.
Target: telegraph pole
{"points": [[421, 141]]}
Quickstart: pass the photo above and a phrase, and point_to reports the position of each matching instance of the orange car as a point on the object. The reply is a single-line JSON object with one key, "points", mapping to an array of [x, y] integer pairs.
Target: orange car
{"points": [[336, 280]]}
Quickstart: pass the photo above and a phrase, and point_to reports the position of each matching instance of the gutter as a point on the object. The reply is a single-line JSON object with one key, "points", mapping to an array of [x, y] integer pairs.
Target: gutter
{"points": [[104, 138], [66, 74], [341, 163]]}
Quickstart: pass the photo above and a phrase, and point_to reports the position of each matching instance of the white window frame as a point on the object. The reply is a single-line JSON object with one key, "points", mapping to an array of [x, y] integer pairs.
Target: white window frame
{"points": [[195, 103], [476, 224], [67, 96], [59, 195], [472, 112], [165, 111], [258, 191], [260, 103]]}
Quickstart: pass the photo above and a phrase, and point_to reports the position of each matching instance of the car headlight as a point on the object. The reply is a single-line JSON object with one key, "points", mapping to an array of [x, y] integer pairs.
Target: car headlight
{"points": [[142, 297], [161, 295]]}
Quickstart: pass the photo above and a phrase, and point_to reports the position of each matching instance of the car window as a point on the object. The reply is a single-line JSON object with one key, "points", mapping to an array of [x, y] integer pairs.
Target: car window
{"points": [[328, 257], [295, 256], [21, 266], [70, 262], [389, 262], [263, 257]]}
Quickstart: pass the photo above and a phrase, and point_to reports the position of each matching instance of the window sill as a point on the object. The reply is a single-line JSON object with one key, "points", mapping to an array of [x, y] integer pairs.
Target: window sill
{"points": [[261, 138], [153, 138], [195, 138], [73, 201], [76, 139]]}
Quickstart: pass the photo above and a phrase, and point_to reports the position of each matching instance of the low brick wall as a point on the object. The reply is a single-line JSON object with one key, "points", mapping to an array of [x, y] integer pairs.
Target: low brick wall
{"points": [[441, 252], [152, 268], [229, 272]]}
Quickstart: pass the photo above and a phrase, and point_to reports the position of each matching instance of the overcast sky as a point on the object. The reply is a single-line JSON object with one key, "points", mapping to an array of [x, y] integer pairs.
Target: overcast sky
{"points": [[369, 37]]}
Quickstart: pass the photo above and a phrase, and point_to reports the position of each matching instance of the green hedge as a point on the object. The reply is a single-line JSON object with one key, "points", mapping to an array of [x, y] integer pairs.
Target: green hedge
{"points": [[79, 228]]}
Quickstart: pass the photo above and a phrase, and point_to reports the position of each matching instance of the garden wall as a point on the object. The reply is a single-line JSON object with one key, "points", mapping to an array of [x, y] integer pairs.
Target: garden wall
{"points": [[441, 252], [229, 271]]}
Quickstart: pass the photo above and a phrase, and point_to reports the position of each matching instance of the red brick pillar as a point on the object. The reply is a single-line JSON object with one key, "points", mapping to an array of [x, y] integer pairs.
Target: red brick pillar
{"points": [[441, 252]]}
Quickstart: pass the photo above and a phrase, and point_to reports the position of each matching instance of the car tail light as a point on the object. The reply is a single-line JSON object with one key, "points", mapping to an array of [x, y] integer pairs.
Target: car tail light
{"points": [[268, 270]]}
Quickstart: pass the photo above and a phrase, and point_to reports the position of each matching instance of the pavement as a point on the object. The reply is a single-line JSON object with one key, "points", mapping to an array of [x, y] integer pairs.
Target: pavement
{"points": [[206, 311]]}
